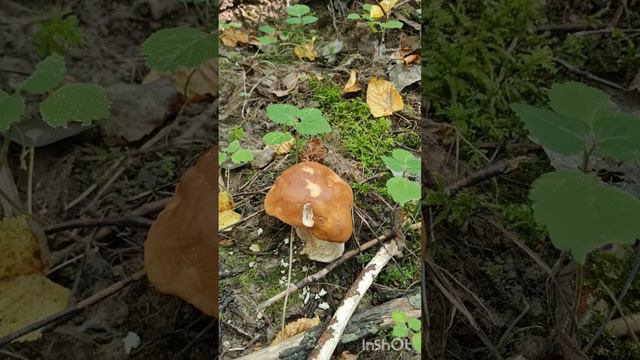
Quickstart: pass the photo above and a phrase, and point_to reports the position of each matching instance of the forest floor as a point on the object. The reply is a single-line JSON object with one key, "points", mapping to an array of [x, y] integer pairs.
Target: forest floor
{"points": [[488, 298]]}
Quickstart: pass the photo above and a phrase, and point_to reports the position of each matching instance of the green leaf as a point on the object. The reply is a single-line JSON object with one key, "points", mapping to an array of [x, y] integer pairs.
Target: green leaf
{"points": [[233, 147], [562, 134], [11, 110], [416, 342], [579, 101], [235, 24], [309, 19], [75, 102], [242, 156], [294, 21], [49, 74], [581, 213], [411, 162], [396, 166], [353, 16], [222, 157], [298, 10], [182, 47], [367, 7], [414, 324], [312, 122], [400, 331], [393, 24], [403, 190], [265, 40], [267, 29], [399, 317], [282, 114], [276, 138], [618, 136]]}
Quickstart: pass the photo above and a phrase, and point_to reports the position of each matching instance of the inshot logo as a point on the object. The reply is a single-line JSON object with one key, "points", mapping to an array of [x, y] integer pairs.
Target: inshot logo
{"points": [[396, 344]]}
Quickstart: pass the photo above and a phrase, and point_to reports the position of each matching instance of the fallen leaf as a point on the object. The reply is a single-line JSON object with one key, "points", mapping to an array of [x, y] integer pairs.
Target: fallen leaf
{"points": [[204, 81], [411, 59], [314, 151], [225, 242], [284, 86], [306, 50], [225, 202], [285, 147], [26, 299], [21, 254], [352, 84], [376, 12], [232, 37], [295, 328], [383, 98], [403, 75], [227, 218], [345, 355]]}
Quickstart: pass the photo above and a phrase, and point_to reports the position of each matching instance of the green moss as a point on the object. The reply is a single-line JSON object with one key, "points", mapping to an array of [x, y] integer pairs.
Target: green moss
{"points": [[364, 137]]}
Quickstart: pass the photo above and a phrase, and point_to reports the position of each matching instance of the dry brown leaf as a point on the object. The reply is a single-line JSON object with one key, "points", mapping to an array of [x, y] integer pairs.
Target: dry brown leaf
{"points": [[295, 328], [225, 202], [383, 98], [411, 59], [352, 84], [345, 355], [233, 37], [314, 151], [204, 81], [26, 299], [306, 50], [225, 242], [387, 5], [21, 253]]}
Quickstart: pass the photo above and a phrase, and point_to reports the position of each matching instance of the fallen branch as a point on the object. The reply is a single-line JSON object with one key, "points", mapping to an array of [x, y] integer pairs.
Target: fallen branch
{"points": [[331, 336], [73, 309], [327, 269], [137, 221], [589, 75], [500, 167], [624, 326], [364, 324]]}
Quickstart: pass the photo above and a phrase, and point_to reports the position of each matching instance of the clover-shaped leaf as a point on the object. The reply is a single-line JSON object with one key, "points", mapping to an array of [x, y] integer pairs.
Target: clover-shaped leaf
{"points": [[242, 156], [400, 330], [233, 147], [402, 161], [581, 213], [298, 10], [267, 29], [399, 317], [579, 101], [414, 324]]}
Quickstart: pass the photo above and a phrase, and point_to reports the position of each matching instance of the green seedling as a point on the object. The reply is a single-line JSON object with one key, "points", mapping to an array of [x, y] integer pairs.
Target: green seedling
{"points": [[403, 164], [306, 121], [269, 36], [57, 35], [237, 133], [374, 24], [299, 16], [403, 327], [580, 212], [229, 25], [236, 153]]}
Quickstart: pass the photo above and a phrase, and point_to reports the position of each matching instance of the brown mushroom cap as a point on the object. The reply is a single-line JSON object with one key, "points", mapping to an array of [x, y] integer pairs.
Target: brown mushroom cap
{"points": [[180, 253], [330, 199]]}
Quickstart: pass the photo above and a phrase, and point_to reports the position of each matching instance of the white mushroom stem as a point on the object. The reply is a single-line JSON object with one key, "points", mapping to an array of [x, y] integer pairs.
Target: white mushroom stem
{"points": [[331, 336], [319, 250]]}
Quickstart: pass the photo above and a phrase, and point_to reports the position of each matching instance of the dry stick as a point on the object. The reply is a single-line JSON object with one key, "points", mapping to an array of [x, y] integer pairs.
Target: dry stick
{"points": [[331, 336], [327, 269], [74, 309], [286, 297], [589, 75], [624, 326], [133, 220], [500, 167]]}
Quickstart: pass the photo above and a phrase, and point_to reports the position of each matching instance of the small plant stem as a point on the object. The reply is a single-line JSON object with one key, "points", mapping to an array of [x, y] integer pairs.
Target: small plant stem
{"points": [[32, 156], [286, 296], [578, 291], [585, 159]]}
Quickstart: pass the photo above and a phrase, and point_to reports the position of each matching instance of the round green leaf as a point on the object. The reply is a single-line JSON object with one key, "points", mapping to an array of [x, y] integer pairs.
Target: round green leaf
{"points": [[309, 19], [294, 21], [396, 166], [353, 16], [266, 40], [276, 138], [618, 136], [75, 102], [416, 342], [414, 324], [233, 147], [282, 114], [399, 317], [49, 74], [312, 122], [562, 134], [579, 101], [400, 331], [403, 190], [393, 24], [267, 29], [182, 47], [298, 10], [581, 213], [367, 7], [11, 110], [242, 156]]}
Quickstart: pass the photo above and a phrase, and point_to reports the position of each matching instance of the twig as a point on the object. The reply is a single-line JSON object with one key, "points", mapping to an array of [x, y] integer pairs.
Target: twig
{"points": [[32, 156], [286, 295], [624, 326], [137, 221], [589, 75], [331, 336], [501, 167], [74, 309]]}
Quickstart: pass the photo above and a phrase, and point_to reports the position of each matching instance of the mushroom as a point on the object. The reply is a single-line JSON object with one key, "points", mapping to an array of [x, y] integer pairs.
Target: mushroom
{"points": [[317, 203], [181, 253]]}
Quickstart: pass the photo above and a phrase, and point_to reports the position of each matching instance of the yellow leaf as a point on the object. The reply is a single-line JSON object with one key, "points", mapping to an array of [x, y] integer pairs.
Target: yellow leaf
{"points": [[26, 299], [376, 12], [20, 251], [225, 202], [204, 80], [227, 218], [285, 147], [383, 98], [295, 328], [232, 37], [352, 84], [306, 50]]}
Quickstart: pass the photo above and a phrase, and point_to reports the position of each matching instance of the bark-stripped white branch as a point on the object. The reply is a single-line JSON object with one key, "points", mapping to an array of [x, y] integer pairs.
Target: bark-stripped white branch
{"points": [[331, 336]]}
